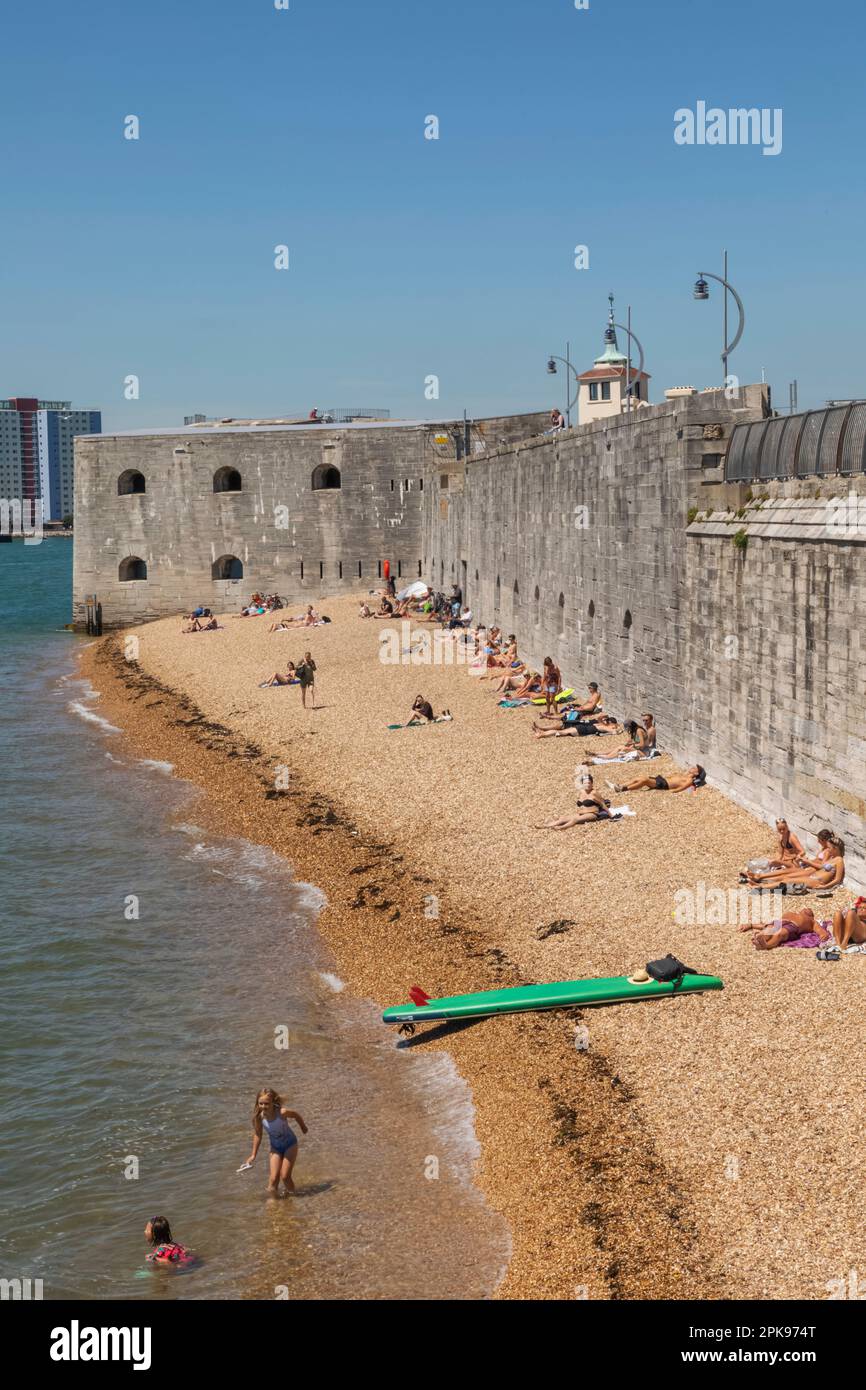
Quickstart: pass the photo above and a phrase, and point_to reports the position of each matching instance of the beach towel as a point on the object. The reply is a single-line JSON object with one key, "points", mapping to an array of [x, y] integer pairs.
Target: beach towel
{"points": [[563, 695], [514, 704], [617, 811], [632, 757], [809, 941]]}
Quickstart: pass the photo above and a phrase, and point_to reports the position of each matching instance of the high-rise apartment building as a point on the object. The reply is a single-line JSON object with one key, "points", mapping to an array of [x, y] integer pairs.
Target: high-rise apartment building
{"points": [[36, 454]]}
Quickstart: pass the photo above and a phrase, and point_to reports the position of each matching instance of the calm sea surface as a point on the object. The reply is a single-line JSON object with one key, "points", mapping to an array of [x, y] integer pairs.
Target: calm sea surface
{"points": [[136, 1045]]}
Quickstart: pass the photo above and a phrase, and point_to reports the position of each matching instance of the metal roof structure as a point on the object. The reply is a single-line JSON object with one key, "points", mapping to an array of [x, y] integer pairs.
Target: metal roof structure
{"points": [[821, 443]]}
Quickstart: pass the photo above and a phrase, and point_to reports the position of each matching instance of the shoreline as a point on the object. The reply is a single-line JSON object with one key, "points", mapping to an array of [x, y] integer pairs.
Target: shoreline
{"points": [[645, 1167], [593, 1245]]}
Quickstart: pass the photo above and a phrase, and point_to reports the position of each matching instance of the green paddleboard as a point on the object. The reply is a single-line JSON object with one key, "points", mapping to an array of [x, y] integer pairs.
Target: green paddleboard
{"points": [[564, 993]]}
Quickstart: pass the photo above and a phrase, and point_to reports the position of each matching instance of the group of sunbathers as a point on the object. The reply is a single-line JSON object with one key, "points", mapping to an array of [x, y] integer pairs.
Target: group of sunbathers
{"points": [[261, 603], [793, 872], [200, 620]]}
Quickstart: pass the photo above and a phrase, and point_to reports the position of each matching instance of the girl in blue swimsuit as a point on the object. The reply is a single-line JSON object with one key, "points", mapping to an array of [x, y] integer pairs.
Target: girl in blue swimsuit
{"points": [[272, 1117]]}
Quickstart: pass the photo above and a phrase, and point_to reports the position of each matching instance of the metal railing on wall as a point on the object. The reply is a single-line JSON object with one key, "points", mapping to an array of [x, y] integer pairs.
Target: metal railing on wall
{"points": [[818, 443]]}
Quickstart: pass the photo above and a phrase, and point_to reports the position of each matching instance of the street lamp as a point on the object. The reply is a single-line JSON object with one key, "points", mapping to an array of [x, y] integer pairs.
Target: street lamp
{"points": [[632, 338], [702, 291], [569, 367]]}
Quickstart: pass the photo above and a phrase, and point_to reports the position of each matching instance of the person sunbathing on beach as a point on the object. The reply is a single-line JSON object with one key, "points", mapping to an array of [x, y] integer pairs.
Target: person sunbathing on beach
{"points": [[636, 750], [502, 659], [694, 777], [460, 620], [308, 619], [497, 662], [637, 742], [849, 925], [511, 680], [592, 701], [788, 856], [826, 870], [591, 806], [788, 928], [530, 685], [385, 609], [365, 611], [649, 724], [278, 678], [198, 626], [271, 1115], [572, 724]]}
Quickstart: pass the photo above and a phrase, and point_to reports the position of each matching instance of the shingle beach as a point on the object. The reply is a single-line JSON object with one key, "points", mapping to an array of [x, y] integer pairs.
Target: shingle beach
{"points": [[701, 1147]]}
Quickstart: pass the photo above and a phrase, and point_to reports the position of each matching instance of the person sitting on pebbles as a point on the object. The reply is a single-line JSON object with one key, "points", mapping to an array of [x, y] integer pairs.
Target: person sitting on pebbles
{"points": [[280, 678], [789, 855], [422, 713], [591, 806], [849, 926]]}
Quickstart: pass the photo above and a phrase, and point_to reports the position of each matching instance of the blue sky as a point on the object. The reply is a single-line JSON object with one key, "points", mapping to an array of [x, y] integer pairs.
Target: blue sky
{"points": [[411, 257]]}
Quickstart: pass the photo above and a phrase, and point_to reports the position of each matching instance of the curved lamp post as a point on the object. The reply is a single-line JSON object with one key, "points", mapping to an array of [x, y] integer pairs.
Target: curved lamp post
{"points": [[569, 368], [632, 338], [702, 291]]}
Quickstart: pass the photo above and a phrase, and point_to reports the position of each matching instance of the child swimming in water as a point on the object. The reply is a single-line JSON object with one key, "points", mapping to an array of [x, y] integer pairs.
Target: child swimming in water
{"points": [[166, 1252], [270, 1114]]}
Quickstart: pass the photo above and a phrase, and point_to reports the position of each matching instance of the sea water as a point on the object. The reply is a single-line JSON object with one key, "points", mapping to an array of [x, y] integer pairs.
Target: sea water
{"points": [[154, 977]]}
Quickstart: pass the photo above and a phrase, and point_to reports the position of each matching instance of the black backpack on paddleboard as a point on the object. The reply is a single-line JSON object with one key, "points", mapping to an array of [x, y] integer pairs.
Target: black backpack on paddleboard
{"points": [[669, 970]]}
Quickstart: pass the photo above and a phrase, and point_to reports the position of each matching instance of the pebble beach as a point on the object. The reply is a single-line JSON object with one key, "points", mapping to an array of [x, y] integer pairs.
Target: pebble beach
{"points": [[701, 1147]]}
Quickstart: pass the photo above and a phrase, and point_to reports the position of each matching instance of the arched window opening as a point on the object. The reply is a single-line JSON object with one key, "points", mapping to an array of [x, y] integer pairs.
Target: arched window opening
{"points": [[131, 568], [227, 480], [627, 620], [129, 482], [591, 608], [515, 597], [326, 478], [536, 606], [561, 611], [227, 567]]}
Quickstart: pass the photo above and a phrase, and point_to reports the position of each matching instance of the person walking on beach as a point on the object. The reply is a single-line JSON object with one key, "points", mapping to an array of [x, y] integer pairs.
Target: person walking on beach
{"points": [[306, 676], [271, 1115]]}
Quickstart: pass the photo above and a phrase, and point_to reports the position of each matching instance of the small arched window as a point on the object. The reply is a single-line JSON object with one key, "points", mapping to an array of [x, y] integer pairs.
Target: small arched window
{"points": [[561, 611], [326, 478], [536, 606], [227, 567], [627, 620], [515, 596], [130, 481], [131, 568], [227, 480], [591, 608]]}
